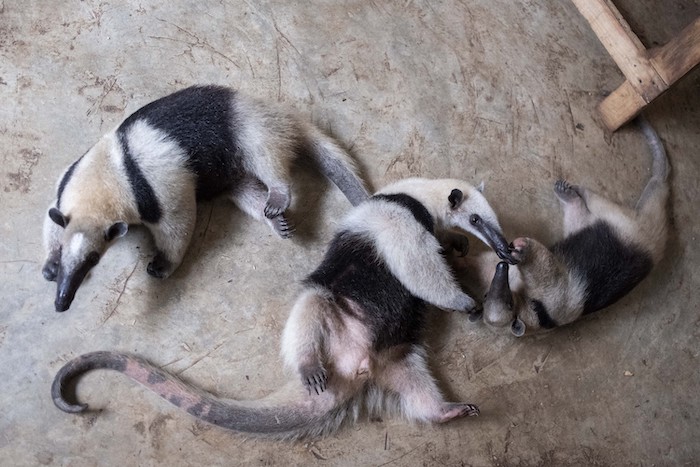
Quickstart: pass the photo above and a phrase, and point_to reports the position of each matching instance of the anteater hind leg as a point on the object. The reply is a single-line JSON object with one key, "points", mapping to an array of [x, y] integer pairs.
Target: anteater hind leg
{"points": [[268, 163], [250, 195], [583, 207], [576, 212], [420, 398], [303, 340]]}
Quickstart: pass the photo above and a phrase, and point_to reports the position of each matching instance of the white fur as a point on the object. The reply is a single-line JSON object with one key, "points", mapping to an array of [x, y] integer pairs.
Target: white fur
{"points": [[411, 253], [76, 243], [434, 194]]}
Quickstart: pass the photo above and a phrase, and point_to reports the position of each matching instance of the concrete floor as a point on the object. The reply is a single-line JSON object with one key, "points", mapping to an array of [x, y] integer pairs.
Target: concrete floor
{"points": [[491, 90]]}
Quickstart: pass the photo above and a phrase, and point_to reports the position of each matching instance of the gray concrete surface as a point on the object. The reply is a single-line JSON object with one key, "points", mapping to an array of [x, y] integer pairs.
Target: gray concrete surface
{"points": [[491, 90]]}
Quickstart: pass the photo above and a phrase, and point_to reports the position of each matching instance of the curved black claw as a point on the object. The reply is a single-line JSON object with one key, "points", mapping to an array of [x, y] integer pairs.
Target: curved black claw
{"points": [[283, 226], [315, 379], [565, 191], [470, 410], [272, 211]]}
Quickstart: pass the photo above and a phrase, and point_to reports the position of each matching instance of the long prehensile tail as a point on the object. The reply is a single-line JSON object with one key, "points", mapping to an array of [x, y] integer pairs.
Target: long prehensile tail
{"points": [[336, 164], [295, 420]]}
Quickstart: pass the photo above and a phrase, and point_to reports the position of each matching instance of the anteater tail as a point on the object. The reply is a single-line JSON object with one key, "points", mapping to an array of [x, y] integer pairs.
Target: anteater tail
{"points": [[653, 203], [335, 163], [660, 165], [310, 418]]}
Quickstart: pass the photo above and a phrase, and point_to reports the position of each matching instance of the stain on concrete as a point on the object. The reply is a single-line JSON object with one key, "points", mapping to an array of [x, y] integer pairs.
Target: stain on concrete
{"points": [[140, 428], [21, 180], [156, 430], [44, 457]]}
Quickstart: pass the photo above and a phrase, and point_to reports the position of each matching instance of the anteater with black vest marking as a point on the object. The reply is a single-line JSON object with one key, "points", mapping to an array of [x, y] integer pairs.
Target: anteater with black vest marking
{"points": [[606, 251], [195, 144]]}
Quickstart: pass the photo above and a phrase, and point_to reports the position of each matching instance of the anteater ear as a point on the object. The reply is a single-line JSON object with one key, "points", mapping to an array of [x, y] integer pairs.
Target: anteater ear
{"points": [[455, 198], [116, 230], [58, 217], [517, 328]]}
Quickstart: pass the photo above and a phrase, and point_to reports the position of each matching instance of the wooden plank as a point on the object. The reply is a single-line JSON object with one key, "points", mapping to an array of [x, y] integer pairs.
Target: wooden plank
{"points": [[680, 55], [625, 26], [621, 106], [623, 46]]}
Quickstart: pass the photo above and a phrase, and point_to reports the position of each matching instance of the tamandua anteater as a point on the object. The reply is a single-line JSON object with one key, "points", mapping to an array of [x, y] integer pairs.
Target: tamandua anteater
{"points": [[195, 144], [606, 251], [353, 337]]}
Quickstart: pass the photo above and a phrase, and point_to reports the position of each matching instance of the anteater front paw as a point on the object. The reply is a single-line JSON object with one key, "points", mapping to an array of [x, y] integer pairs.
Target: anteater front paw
{"points": [[520, 248], [50, 270], [455, 242], [160, 267]]}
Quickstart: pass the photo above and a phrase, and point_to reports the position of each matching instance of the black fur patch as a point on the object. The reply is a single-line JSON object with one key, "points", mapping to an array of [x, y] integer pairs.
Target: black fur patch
{"points": [[543, 316], [455, 197], [610, 268], [155, 377], [175, 400], [419, 211], [201, 120], [146, 200], [353, 270], [197, 409], [64, 181]]}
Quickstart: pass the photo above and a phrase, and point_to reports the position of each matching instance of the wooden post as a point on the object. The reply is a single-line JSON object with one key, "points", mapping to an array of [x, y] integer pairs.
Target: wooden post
{"points": [[648, 73]]}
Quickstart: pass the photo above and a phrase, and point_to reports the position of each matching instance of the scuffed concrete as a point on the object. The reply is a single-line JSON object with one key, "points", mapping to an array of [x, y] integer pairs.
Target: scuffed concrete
{"points": [[491, 90]]}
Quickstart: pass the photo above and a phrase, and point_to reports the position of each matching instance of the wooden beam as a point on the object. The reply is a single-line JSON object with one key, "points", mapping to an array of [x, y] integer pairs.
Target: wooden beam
{"points": [[671, 62], [623, 45], [621, 106], [680, 55]]}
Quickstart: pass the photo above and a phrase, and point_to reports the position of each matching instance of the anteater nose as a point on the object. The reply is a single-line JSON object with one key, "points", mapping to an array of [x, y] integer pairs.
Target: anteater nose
{"points": [[62, 302]]}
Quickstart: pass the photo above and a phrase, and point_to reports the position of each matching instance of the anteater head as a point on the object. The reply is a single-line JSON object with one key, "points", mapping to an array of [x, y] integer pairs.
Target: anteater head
{"points": [[546, 299], [82, 244], [458, 205], [499, 305], [469, 210]]}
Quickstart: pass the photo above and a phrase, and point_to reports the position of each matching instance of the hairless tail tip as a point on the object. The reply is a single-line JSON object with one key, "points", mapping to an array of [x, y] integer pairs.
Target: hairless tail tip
{"points": [[60, 402], [69, 408]]}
